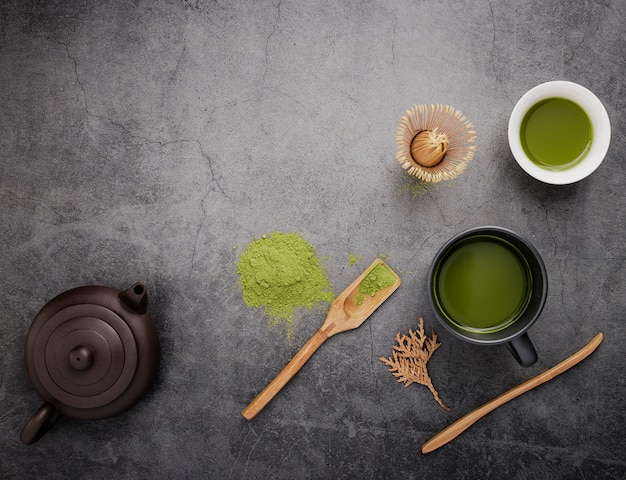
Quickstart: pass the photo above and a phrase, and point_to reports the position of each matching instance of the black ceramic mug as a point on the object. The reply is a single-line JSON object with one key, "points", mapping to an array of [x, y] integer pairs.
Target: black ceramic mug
{"points": [[487, 285]]}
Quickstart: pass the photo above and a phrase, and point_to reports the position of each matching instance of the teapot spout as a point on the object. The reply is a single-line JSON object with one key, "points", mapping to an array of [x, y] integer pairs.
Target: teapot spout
{"points": [[135, 298]]}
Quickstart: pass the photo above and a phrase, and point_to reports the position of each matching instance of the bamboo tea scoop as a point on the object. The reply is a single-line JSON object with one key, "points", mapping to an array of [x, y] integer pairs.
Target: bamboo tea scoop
{"points": [[347, 312], [451, 432]]}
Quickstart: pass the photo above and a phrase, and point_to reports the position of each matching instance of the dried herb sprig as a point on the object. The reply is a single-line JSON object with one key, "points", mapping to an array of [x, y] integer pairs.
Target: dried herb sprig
{"points": [[410, 356]]}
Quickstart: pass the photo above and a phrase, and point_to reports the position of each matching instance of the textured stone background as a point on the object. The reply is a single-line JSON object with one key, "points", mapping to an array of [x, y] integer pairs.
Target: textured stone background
{"points": [[144, 140]]}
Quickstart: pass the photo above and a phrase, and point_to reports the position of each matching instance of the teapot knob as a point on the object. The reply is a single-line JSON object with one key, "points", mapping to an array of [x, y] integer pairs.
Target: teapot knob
{"points": [[135, 298], [81, 358]]}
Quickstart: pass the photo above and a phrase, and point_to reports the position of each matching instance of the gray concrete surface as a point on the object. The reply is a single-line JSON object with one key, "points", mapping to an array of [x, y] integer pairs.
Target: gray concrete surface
{"points": [[145, 140]]}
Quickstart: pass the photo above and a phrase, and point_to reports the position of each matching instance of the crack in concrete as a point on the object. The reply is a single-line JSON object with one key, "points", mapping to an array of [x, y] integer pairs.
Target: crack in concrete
{"points": [[267, 43], [249, 456], [393, 42], [211, 170], [80, 84], [373, 357], [192, 261], [493, 55], [249, 431], [572, 53]]}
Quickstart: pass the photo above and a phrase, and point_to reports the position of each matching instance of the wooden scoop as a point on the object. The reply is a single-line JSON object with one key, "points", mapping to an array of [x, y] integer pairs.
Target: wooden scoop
{"points": [[455, 429], [345, 313]]}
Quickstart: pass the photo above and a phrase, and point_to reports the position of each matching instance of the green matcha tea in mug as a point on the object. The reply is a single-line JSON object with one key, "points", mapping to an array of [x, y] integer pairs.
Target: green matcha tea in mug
{"points": [[556, 133], [483, 284]]}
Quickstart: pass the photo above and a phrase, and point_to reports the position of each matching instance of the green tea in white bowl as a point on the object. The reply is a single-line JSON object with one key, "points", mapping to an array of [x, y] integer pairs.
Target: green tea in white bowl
{"points": [[559, 132]]}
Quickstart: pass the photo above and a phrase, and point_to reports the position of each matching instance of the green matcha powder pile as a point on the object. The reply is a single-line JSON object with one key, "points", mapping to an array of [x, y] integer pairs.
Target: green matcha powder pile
{"points": [[280, 273]]}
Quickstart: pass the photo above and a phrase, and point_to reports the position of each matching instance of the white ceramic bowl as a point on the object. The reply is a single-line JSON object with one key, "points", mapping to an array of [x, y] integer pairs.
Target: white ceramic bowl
{"points": [[599, 122]]}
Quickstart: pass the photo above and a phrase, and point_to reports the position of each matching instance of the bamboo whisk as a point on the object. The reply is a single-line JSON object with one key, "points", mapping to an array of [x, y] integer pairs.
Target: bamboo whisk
{"points": [[435, 142]]}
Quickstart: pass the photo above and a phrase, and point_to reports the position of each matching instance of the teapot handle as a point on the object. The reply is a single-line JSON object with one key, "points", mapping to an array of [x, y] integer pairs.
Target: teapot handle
{"points": [[39, 423]]}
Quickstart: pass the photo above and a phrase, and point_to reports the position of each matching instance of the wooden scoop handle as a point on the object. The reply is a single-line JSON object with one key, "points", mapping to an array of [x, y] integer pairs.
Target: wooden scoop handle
{"points": [[287, 373], [463, 423]]}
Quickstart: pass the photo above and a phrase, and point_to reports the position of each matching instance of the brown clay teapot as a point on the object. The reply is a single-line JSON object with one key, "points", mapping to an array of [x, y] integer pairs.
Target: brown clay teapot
{"points": [[91, 353]]}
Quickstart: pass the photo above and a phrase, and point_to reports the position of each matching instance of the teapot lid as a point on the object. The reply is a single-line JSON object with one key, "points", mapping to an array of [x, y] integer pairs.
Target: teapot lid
{"points": [[93, 351]]}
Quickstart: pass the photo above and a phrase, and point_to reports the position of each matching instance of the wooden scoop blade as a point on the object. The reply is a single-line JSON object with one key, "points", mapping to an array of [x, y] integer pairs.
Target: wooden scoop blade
{"points": [[351, 308]]}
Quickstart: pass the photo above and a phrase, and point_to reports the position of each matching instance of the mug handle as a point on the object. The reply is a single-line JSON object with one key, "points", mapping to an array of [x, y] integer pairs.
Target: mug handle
{"points": [[522, 350], [39, 423]]}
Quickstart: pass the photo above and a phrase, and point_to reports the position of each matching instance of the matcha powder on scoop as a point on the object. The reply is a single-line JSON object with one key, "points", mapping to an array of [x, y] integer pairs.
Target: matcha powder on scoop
{"points": [[279, 273]]}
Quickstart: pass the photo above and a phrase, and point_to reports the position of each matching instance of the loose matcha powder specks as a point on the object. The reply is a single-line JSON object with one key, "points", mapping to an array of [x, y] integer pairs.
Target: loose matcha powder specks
{"points": [[279, 273], [418, 188], [353, 259], [380, 277]]}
